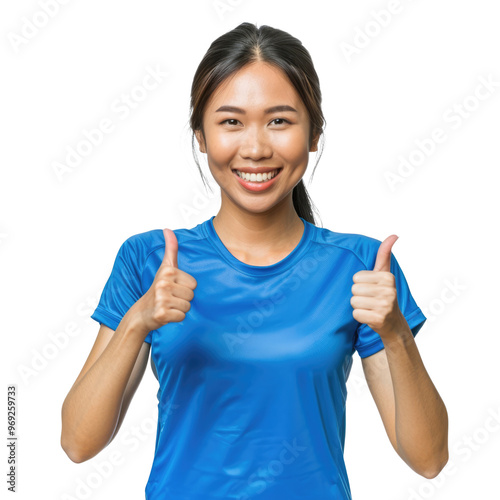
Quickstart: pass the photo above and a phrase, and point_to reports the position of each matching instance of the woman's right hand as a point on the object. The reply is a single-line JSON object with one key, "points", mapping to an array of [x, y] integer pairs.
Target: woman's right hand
{"points": [[169, 296]]}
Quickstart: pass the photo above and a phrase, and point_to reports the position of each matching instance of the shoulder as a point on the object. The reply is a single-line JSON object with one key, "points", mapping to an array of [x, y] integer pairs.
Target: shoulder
{"points": [[361, 246], [146, 243], [140, 245], [145, 240]]}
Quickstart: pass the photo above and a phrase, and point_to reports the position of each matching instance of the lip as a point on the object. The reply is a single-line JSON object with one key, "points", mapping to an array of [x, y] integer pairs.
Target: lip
{"points": [[257, 186], [256, 170]]}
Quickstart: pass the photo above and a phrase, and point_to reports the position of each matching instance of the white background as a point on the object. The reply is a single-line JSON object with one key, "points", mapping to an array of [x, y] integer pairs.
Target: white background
{"points": [[59, 235]]}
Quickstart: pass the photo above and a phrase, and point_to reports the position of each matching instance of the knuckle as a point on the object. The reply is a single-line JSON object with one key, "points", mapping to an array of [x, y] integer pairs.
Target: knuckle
{"points": [[159, 314], [169, 271], [164, 285], [161, 283]]}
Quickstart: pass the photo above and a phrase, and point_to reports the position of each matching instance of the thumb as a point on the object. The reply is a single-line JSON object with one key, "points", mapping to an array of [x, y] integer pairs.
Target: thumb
{"points": [[383, 261], [171, 248]]}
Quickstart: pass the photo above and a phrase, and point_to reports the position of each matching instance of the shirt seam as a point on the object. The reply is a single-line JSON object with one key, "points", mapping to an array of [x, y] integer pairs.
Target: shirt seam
{"points": [[101, 312], [106, 315], [410, 316], [332, 244], [367, 346]]}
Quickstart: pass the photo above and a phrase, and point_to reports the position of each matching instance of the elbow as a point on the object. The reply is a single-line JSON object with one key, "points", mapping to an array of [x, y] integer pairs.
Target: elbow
{"points": [[432, 472], [78, 451], [74, 454], [70, 445], [75, 451]]}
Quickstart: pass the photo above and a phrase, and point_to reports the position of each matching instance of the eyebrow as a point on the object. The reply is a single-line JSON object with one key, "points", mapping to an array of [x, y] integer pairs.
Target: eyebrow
{"points": [[273, 109]]}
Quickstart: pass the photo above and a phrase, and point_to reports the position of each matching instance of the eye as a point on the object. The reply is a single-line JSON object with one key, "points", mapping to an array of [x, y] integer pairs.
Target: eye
{"points": [[234, 120], [282, 119], [229, 120]]}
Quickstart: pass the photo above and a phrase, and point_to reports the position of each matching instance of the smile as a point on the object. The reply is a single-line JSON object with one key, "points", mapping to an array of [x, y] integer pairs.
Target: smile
{"points": [[257, 182], [257, 177]]}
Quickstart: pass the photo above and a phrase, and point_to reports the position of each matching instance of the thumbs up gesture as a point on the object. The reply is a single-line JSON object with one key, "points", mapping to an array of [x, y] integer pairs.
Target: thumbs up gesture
{"points": [[374, 296], [169, 296]]}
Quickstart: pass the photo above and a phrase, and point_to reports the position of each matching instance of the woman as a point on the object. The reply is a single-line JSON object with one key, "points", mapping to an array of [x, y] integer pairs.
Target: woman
{"points": [[252, 315]]}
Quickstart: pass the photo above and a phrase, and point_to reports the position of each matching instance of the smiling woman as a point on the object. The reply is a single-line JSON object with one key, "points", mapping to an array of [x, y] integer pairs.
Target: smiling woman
{"points": [[256, 102], [256, 138], [251, 316]]}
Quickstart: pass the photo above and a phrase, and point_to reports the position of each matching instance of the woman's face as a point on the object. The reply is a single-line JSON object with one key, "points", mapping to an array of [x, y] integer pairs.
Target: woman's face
{"points": [[252, 138]]}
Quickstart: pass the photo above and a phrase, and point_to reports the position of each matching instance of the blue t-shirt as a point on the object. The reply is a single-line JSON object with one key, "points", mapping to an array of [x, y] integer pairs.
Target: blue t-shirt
{"points": [[252, 384]]}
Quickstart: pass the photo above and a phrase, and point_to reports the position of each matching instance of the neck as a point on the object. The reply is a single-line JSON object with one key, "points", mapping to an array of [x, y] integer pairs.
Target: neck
{"points": [[259, 235]]}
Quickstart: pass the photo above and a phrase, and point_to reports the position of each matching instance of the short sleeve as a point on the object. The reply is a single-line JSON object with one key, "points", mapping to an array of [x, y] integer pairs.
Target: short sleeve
{"points": [[368, 341], [122, 290]]}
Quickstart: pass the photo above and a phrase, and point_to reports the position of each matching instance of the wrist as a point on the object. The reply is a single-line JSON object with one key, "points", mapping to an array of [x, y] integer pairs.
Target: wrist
{"points": [[398, 337], [134, 322]]}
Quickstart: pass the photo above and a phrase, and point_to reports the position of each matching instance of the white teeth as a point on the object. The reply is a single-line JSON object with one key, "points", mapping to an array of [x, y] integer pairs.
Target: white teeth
{"points": [[257, 177]]}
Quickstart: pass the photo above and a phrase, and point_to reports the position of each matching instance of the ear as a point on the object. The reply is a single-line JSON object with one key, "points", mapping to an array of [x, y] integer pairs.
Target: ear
{"points": [[314, 144], [201, 142]]}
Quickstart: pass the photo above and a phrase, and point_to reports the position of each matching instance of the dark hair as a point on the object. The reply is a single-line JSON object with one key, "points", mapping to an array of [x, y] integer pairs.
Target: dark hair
{"points": [[247, 44]]}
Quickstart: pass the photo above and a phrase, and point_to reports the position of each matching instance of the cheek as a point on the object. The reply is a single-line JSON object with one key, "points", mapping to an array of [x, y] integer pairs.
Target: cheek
{"points": [[293, 138], [222, 146], [293, 146]]}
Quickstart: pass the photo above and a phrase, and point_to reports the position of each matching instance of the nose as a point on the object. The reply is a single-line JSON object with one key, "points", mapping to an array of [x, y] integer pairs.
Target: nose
{"points": [[255, 144]]}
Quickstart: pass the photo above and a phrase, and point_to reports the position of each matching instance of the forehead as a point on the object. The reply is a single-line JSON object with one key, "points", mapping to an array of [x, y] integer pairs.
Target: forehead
{"points": [[257, 85]]}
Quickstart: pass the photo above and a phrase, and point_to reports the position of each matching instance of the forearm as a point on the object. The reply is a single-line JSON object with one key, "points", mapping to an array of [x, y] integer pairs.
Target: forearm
{"points": [[91, 409], [421, 416]]}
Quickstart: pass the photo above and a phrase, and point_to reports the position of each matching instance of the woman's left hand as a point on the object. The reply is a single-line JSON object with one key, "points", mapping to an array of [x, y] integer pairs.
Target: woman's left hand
{"points": [[374, 297]]}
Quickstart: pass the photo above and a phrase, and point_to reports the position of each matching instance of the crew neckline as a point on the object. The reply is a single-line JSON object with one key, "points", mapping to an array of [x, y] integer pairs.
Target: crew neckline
{"points": [[277, 267]]}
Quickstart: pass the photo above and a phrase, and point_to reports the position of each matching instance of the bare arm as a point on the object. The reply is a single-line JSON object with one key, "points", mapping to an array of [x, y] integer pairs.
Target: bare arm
{"points": [[96, 405], [412, 411], [98, 400]]}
